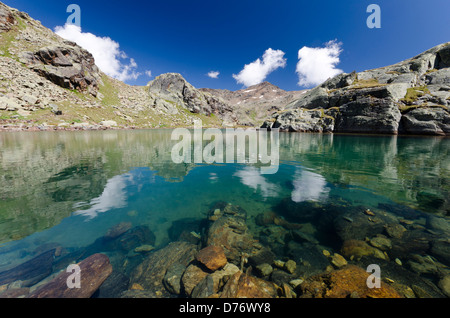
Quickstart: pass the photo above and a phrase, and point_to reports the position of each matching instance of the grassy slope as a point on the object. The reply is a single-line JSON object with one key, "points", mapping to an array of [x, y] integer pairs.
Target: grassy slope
{"points": [[84, 108]]}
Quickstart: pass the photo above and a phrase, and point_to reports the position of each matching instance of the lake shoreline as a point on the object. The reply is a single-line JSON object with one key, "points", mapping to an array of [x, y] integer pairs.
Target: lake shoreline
{"points": [[85, 128]]}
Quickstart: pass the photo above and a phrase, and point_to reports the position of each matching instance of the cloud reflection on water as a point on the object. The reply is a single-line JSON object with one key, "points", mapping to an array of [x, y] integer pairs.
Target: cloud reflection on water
{"points": [[309, 186], [252, 177], [113, 197]]}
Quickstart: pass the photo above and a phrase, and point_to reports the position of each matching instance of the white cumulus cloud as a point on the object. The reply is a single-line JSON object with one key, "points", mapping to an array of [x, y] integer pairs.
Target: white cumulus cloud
{"points": [[214, 74], [107, 54], [257, 71], [316, 65]]}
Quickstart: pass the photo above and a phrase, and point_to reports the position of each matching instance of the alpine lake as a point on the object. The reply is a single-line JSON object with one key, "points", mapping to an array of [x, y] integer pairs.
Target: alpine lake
{"points": [[66, 191]]}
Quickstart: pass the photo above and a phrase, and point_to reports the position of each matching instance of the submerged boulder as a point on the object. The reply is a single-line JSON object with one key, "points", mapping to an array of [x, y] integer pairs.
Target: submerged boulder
{"points": [[348, 281], [94, 271], [150, 273]]}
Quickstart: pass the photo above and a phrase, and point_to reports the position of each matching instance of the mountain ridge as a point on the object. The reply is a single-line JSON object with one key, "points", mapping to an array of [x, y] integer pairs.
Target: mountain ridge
{"points": [[410, 97], [49, 83]]}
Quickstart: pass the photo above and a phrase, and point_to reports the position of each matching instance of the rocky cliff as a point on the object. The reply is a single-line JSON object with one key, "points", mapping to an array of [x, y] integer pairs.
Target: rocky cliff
{"points": [[411, 97]]}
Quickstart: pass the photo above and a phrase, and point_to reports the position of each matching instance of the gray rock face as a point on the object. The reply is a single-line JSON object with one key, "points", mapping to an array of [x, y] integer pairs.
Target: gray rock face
{"points": [[304, 120], [410, 97], [368, 115], [173, 90], [426, 121], [68, 66]]}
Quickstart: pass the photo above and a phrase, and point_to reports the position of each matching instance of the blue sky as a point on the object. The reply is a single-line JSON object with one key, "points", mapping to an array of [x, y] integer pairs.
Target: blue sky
{"points": [[196, 37]]}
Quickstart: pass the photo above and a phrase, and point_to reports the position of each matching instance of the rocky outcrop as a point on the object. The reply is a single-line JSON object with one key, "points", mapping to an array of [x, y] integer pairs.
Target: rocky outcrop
{"points": [[411, 97], [171, 91], [66, 65]]}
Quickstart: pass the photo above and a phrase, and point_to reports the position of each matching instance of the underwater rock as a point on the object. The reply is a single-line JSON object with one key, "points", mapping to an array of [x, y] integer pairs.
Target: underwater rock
{"points": [[241, 285], [94, 271], [281, 277], [192, 276], [230, 231], [444, 285], [220, 275], [204, 289], [349, 281], [213, 257], [412, 241], [113, 286], [150, 273], [395, 230], [263, 256], [300, 236], [144, 248], [381, 242], [31, 271], [360, 227], [135, 237], [213, 283], [438, 224], [290, 266], [358, 249], [15, 293], [118, 230], [338, 260], [299, 212], [268, 218], [181, 230], [172, 278], [441, 250], [264, 269]]}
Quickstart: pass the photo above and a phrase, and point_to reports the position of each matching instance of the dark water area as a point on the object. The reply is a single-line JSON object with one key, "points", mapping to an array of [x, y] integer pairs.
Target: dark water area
{"points": [[67, 191]]}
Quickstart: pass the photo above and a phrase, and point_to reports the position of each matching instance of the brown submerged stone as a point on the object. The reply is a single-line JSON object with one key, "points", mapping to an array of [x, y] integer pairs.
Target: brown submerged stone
{"points": [[241, 285], [213, 257], [94, 271], [349, 281]]}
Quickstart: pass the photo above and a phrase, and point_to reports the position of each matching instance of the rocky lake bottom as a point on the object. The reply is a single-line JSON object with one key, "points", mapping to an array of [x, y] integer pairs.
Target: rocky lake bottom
{"points": [[140, 226]]}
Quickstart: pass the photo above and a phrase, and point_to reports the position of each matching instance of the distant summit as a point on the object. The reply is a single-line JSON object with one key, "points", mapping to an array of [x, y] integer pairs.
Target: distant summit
{"points": [[253, 104]]}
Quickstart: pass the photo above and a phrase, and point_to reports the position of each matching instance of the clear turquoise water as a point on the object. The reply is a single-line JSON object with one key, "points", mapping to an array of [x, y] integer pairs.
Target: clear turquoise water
{"points": [[69, 188]]}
